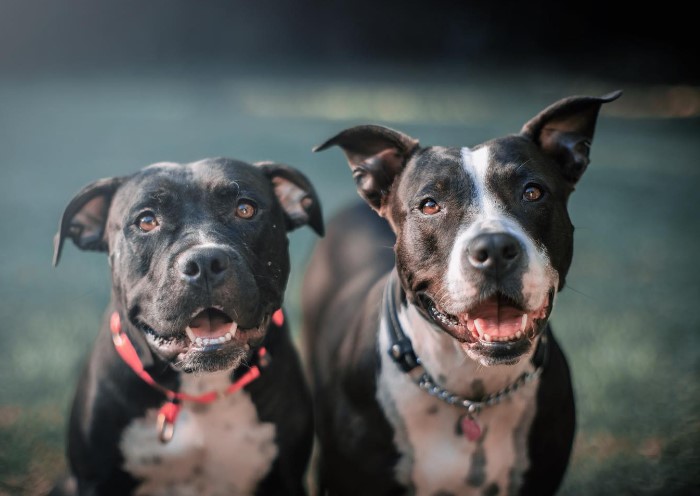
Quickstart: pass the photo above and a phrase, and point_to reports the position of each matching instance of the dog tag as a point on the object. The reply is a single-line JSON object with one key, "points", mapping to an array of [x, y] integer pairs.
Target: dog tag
{"points": [[469, 427]]}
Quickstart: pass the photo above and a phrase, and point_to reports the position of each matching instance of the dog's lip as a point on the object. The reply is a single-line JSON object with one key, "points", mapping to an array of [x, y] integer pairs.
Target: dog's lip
{"points": [[203, 338], [493, 321]]}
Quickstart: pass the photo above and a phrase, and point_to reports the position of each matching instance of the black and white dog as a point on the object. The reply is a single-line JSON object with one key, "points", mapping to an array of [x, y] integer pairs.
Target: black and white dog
{"points": [[193, 385], [443, 376]]}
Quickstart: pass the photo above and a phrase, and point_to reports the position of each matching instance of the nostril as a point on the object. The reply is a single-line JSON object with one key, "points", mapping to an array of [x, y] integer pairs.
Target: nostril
{"points": [[480, 256], [510, 251], [191, 268], [494, 252], [204, 266], [219, 265]]}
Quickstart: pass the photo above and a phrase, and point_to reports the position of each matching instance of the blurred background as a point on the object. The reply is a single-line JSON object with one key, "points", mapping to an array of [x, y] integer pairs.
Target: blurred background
{"points": [[90, 89]]}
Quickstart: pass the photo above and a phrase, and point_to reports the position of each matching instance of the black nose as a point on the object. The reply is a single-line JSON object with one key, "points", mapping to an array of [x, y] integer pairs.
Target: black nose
{"points": [[204, 265], [494, 253]]}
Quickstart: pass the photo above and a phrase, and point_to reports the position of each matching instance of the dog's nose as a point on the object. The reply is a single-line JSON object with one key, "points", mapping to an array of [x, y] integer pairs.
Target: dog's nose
{"points": [[495, 253], [204, 265]]}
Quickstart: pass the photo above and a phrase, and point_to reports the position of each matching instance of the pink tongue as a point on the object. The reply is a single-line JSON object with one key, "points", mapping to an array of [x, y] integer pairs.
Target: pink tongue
{"points": [[210, 323], [498, 320]]}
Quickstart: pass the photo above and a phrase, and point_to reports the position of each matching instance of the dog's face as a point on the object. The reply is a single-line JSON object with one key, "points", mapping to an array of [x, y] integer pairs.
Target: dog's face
{"points": [[483, 236], [198, 252]]}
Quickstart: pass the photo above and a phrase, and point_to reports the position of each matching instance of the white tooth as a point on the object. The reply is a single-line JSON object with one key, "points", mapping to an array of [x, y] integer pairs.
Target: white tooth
{"points": [[199, 341], [487, 338], [222, 339], [478, 328], [227, 336], [523, 323], [191, 334], [206, 341], [246, 347], [519, 334], [234, 328]]}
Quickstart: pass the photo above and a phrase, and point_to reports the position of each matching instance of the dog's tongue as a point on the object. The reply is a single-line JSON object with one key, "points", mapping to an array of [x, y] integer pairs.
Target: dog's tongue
{"points": [[497, 318], [210, 322]]}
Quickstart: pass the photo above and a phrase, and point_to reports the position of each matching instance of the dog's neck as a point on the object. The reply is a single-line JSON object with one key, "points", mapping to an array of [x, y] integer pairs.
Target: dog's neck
{"points": [[443, 357]]}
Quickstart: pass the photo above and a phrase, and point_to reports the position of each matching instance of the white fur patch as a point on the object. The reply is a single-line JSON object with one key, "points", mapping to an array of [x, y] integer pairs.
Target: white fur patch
{"points": [[489, 216], [218, 449], [434, 457]]}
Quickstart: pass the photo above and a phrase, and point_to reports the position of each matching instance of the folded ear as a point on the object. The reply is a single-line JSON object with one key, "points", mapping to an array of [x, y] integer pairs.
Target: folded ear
{"points": [[564, 131], [85, 217], [296, 195], [377, 156]]}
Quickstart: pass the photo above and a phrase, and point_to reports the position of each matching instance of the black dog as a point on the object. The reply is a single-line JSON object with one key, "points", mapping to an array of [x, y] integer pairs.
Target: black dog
{"points": [[443, 377], [193, 386]]}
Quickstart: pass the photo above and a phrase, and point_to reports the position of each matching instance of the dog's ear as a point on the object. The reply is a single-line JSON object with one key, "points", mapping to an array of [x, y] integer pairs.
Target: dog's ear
{"points": [[296, 195], [377, 155], [564, 131], [85, 217]]}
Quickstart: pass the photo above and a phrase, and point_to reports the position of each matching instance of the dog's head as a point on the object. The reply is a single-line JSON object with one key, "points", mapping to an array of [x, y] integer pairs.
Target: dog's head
{"points": [[483, 236], [198, 252]]}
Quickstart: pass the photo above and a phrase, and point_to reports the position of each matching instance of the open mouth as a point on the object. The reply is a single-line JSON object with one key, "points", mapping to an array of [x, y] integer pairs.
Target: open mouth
{"points": [[210, 332], [497, 319], [210, 328]]}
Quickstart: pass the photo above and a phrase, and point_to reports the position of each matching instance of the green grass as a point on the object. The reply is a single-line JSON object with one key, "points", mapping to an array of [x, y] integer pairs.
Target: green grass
{"points": [[629, 319]]}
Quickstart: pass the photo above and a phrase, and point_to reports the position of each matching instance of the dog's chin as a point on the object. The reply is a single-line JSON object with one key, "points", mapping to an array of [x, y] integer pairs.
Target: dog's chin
{"points": [[496, 331], [210, 342], [211, 361]]}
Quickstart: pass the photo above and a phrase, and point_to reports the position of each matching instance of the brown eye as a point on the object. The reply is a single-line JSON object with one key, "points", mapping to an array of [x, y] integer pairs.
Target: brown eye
{"points": [[245, 209], [147, 222], [429, 207], [532, 193]]}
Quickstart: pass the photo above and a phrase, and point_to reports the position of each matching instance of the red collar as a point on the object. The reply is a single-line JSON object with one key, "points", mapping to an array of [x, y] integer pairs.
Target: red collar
{"points": [[168, 412]]}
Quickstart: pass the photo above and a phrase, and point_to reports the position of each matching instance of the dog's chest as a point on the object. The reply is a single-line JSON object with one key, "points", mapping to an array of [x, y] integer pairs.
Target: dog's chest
{"points": [[220, 448], [436, 457]]}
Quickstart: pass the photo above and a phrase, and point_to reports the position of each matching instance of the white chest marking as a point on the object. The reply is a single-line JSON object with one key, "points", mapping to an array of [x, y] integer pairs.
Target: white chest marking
{"points": [[434, 457], [218, 449]]}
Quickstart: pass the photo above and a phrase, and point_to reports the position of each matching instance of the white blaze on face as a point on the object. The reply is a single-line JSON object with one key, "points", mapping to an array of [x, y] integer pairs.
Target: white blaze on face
{"points": [[487, 214]]}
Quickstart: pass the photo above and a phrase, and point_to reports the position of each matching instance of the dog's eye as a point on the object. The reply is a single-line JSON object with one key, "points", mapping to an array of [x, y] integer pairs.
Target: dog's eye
{"points": [[429, 206], [147, 222], [532, 193], [245, 209]]}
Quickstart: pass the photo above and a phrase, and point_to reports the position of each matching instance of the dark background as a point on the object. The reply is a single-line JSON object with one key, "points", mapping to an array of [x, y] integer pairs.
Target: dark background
{"points": [[651, 42], [94, 88]]}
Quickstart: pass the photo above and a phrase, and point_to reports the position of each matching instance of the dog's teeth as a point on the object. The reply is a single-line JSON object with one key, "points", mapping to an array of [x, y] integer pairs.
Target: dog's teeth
{"points": [[227, 336], [199, 341], [523, 323], [518, 334], [191, 334], [479, 329], [222, 339], [487, 338], [232, 331]]}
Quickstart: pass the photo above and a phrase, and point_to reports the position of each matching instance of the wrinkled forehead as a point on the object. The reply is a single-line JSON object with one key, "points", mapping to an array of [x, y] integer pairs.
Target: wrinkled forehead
{"points": [[211, 176], [205, 175], [467, 167], [438, 166]]}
